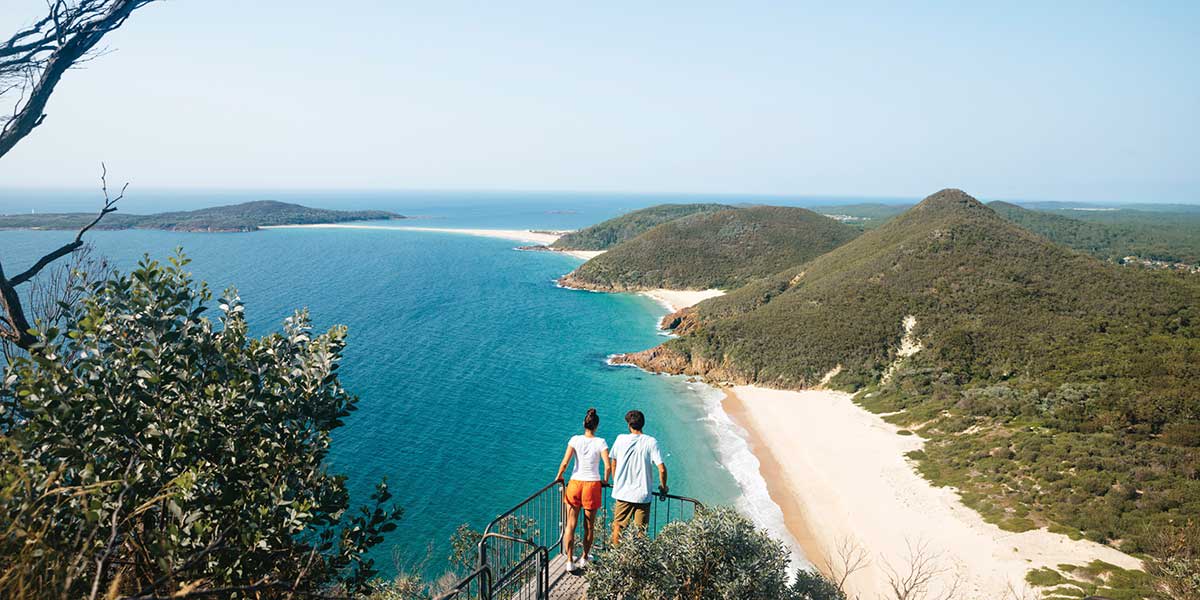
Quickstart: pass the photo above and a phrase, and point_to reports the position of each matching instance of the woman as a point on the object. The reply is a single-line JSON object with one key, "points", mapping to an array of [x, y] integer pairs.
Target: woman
{"points": [[586, 487]]}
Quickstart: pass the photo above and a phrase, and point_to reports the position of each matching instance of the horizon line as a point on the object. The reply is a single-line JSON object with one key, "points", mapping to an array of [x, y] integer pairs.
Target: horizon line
{"points": [[891, 199]]}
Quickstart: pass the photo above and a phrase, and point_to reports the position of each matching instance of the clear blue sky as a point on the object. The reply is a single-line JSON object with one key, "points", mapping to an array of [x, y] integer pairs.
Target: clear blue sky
{"points": [[1045, 100]]}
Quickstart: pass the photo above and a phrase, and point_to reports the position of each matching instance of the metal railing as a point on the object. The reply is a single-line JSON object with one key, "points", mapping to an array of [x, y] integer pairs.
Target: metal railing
{"points": [[471, 587], [517, 546]]}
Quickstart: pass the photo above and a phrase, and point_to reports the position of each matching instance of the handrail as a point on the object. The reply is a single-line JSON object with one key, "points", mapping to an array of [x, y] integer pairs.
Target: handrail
{"points": [[510, 538], [531, 498], [512, 566], [483, 574], [665, 496], [500, 519]]}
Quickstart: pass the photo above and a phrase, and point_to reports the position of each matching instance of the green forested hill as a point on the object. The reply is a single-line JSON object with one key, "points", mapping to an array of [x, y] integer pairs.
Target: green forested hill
{"points": [[1053, 387], [603, 236], [721, 249], [1172, 236], [247, 216]]}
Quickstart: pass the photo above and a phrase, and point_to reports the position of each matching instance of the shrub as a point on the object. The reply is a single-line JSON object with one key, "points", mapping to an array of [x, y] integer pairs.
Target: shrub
{"points": [[1182, 434], [719, 554], [150, 450]]}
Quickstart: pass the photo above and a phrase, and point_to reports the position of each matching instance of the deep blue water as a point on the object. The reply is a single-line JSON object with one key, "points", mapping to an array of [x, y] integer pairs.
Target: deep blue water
{"points": [[473, 368]]}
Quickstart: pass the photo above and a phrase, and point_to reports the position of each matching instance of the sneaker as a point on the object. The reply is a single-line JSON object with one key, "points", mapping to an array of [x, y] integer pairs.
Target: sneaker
{"points": [[581, 564], [572, 565]]}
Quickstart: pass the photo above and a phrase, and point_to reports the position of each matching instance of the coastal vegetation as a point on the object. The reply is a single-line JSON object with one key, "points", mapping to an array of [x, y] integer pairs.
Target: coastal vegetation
{"points": [[717, 555], [1053, 389], [721, 249], [1169, 236], [1165, 233], [147, 451], [607, 234], [247, 216]]}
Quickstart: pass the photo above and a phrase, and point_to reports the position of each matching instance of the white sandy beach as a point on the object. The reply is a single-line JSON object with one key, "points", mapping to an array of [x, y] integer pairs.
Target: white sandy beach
{"points": [[839, 472], [544, 238], [518, 235], [676, 300]]}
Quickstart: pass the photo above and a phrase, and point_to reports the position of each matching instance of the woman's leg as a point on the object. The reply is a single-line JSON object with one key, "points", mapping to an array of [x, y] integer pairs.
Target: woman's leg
{"points": [[568, 547], [589, 531]]}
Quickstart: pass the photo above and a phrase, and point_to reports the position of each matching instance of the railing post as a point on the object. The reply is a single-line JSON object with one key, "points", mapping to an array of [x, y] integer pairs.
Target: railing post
{"points": [[543, 575]]}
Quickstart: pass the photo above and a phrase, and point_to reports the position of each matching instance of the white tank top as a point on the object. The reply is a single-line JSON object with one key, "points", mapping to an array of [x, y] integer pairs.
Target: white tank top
{"points": [[587, 457]]}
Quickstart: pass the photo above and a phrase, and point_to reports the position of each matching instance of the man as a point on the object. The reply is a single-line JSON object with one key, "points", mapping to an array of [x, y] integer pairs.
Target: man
{"points": [[633, 459]]}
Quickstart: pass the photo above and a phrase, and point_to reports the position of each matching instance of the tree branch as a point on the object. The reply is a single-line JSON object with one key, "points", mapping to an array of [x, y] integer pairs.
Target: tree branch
{"points": [[52, 46], [15, 325], [65, 249]]}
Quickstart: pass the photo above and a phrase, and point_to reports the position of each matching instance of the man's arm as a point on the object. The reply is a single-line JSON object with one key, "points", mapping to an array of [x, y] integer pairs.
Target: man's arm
{"points": [[656, 458]]}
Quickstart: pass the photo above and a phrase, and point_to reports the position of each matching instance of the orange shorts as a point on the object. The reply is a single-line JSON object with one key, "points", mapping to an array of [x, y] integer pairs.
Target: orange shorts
{"points": [[586, 494]]}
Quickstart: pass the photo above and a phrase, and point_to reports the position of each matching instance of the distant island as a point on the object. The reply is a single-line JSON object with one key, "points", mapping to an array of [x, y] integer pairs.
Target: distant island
{"points": [[247, 216]]}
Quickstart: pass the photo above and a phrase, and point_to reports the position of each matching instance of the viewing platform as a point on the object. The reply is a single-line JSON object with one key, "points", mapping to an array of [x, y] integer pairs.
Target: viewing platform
{"points": [[520, 554]]}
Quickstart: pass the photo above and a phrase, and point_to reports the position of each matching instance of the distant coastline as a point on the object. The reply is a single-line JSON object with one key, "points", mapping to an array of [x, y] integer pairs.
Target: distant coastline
{"points": [[234, 218]]}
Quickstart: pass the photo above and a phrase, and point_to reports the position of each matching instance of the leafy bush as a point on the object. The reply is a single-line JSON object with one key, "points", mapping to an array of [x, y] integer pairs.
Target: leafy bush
{"points": [[717, 555], [148, 450], [1175, 564]]}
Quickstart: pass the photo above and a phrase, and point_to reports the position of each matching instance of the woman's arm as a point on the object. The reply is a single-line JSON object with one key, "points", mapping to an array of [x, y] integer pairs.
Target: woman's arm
{"points": [[562, 467], [604, 462]]}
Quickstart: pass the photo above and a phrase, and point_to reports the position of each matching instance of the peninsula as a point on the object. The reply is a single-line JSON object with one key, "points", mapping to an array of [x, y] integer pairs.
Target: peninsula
{"points": [[247, 216]]}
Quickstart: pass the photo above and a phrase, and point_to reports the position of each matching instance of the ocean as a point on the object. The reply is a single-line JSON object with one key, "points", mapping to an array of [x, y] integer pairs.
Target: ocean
{"points": [[473, 368]]}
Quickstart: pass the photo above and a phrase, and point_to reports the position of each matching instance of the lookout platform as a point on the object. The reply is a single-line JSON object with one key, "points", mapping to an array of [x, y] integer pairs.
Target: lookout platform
{"points": [[520, 555]]}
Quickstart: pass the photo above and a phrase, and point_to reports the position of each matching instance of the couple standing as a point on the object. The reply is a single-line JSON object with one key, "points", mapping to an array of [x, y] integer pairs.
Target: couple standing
{"points": [[631, 465]]}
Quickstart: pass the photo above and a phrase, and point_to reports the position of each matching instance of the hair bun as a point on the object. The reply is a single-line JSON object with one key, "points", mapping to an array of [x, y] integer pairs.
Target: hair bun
{"points": [[591, 411]]}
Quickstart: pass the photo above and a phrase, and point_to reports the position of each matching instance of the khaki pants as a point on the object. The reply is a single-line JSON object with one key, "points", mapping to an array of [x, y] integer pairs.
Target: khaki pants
{"points": [[624, 512]]}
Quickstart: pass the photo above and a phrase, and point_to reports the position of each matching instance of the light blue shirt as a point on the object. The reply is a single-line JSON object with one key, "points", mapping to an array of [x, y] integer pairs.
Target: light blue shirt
{"points": [[637, 456]]}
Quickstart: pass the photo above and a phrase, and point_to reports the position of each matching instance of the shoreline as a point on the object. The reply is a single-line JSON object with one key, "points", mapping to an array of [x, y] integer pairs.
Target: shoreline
{"points": [[517, 235], [677, 300], [795, 517], [840, 473], [544, 238]]}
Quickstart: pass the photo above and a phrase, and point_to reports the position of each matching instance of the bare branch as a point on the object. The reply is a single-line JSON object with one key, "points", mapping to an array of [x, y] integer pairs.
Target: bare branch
{"points": [[846, 559], [65, 249], [917, 581], [44, 51], [14, 324]]}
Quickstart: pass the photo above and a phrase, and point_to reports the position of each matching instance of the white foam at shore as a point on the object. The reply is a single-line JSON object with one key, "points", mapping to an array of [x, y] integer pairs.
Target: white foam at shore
{"points": [[733, 450]]}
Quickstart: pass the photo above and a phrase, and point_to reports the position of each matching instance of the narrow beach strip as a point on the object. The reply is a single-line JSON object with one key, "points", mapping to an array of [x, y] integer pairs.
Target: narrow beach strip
{"points": [[840, 475], [676, 300], [544, 238]]}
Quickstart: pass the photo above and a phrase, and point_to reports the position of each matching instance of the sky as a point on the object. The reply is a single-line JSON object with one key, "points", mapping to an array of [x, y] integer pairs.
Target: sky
{"points": [[1087, 101]]}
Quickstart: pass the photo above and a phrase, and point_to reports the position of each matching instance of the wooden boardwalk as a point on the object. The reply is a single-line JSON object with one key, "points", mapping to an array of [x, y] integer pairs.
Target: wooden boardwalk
{"points": [[564, 585]]}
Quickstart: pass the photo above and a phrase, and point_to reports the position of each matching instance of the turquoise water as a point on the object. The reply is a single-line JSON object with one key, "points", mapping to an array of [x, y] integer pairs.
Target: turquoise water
{"points": [[473, 368]]}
